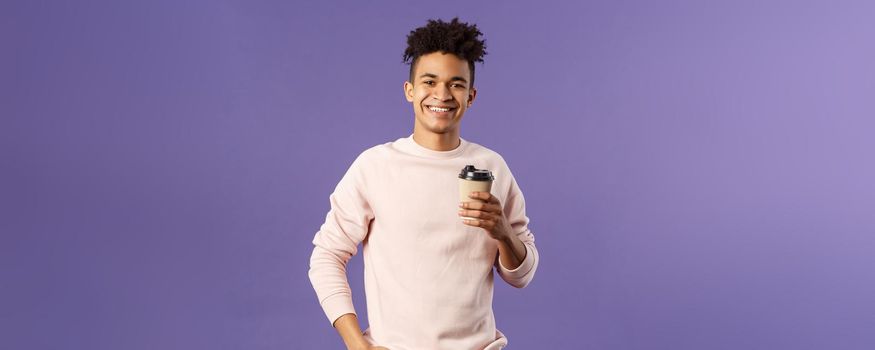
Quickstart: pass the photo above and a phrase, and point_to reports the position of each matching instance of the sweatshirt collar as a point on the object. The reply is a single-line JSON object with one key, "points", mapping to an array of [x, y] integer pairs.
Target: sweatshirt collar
{"points": [[409, 145]]}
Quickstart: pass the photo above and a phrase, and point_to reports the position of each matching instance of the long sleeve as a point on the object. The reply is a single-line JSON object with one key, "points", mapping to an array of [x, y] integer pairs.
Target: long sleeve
{"points": [[515, 210], [346, 225]]}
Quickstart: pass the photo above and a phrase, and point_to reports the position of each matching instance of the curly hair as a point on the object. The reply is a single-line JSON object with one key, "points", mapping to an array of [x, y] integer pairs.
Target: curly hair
{"points": [[453, 37]]}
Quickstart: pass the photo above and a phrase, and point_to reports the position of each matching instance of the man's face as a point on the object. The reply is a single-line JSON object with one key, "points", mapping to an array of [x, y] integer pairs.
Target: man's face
{"points": [[440, 92]]}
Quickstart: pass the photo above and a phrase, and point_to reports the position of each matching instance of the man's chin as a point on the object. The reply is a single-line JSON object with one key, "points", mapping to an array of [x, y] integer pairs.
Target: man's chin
{"points": [[441, 129]]}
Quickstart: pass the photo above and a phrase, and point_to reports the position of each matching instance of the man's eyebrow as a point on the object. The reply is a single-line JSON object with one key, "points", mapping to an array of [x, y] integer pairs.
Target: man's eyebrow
{"points": [[429, 75]]}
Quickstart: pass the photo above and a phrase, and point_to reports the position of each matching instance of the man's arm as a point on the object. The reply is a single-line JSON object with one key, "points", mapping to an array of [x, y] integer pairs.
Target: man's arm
{"points": [[348, 328], [346, 225], [507, 223], [517, 254], [511, 252]]}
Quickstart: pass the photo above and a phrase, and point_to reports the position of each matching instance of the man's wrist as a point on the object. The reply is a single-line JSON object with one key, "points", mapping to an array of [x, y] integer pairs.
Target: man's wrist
{"points": [[362, 346], [507, 241], [358, 344], [512, 252], [348, 328]]}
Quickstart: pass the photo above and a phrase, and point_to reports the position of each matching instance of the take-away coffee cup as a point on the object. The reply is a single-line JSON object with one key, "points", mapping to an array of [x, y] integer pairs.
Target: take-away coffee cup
{"points": [[472, 179]]}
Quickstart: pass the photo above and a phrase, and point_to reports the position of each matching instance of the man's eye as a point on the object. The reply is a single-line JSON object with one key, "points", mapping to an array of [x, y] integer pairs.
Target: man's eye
{"points": [[428, 82], [459, 85]]}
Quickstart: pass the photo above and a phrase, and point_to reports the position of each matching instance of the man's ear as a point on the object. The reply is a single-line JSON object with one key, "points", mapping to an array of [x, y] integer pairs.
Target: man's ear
{"points": [[408, 91], [471, 95]]}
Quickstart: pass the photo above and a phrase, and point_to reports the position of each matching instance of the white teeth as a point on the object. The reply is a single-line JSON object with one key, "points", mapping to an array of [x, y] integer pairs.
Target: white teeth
{"points": [[438, 109]]}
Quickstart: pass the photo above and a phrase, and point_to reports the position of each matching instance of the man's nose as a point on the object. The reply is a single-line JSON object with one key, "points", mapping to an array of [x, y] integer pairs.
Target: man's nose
{"points": [[442, 93]]}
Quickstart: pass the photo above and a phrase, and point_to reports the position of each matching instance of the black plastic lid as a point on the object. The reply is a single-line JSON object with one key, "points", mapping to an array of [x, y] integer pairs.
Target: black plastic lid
{"points": [[474, 174]]}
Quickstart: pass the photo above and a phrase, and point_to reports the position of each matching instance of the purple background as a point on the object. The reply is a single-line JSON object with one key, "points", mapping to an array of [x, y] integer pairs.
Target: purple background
{"points": [[698, 176]]}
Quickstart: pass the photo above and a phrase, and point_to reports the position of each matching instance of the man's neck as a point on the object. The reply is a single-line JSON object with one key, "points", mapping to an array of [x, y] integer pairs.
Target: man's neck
{"points": [[437, 142]]}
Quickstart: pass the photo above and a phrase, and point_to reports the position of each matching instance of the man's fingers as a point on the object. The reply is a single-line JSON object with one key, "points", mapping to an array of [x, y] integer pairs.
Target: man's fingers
{"points": [[492, 199], [480, 214], [490, 207], [486, 197]]}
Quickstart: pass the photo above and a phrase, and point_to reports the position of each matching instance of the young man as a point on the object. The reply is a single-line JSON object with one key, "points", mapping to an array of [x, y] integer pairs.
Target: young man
{"points": [[428, 272]]}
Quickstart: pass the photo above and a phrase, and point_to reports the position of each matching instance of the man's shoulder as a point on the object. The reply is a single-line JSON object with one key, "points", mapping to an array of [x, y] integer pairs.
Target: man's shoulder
{"points": [[373, 153], [480, 151]]}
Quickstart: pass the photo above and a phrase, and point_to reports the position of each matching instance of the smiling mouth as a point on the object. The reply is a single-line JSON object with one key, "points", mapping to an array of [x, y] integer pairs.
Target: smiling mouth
{"points": [[440, 110]]}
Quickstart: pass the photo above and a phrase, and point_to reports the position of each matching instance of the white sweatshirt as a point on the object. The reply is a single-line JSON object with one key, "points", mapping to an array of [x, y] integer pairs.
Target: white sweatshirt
{"points": [[428, 276]]}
